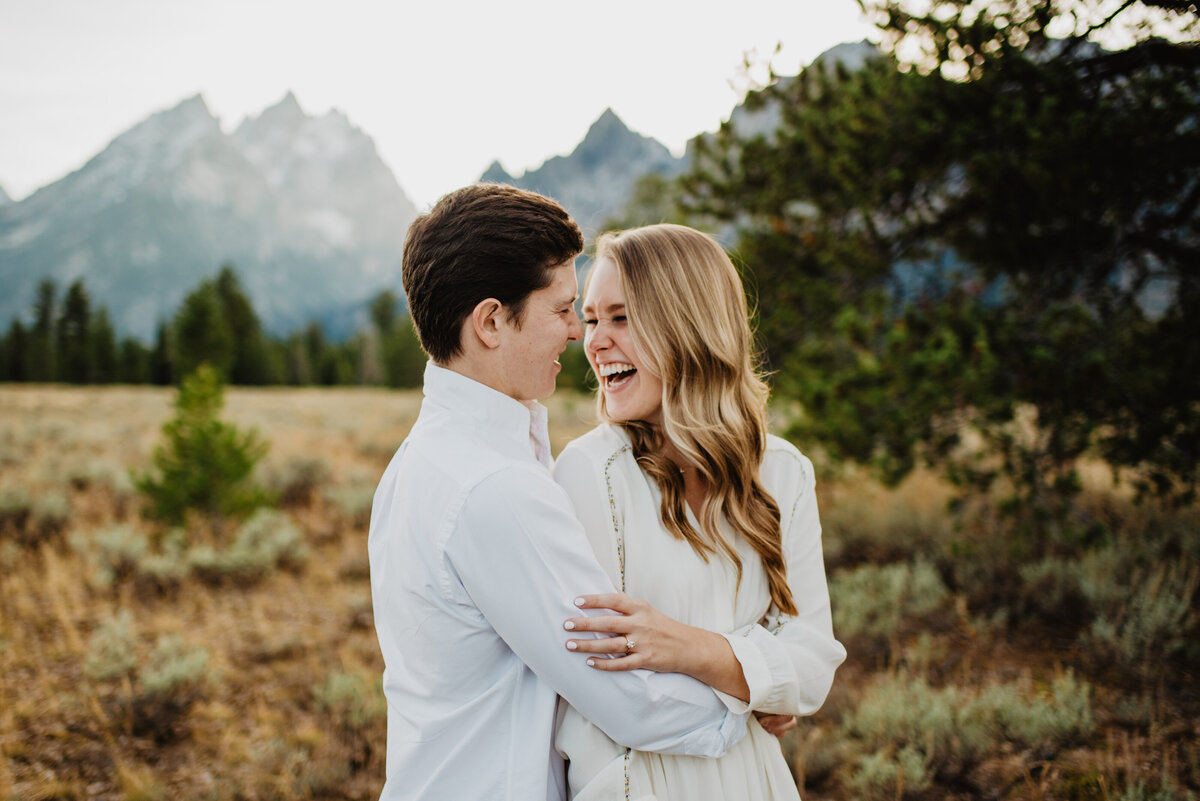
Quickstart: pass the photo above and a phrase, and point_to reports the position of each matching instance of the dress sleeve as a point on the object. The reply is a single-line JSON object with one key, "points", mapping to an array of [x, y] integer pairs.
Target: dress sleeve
{"points": [[789, 660], [520, 555]]}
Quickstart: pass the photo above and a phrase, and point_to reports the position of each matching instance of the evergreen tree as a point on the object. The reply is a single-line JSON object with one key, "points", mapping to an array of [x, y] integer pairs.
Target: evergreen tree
{"points": [[15, 353], [72, 336], [41, 361], [370, 344], [133, 362], [1010, 223], [383, 312], [201, 333], [298, 365], [161, 365], [103, 346], [204, 464], [249, 365]]}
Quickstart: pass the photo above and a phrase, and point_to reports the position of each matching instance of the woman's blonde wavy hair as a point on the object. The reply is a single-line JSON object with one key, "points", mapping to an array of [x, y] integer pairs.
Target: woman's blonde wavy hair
{"points": [[688, 317]]}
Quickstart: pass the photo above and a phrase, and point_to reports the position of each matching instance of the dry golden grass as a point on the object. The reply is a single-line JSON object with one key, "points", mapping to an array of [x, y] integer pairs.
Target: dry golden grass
{"points": [[257, 727], [256, 731]]}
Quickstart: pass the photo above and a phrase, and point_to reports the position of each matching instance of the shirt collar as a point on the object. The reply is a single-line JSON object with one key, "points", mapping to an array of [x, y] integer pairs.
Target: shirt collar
{"points": [[521, 427]]}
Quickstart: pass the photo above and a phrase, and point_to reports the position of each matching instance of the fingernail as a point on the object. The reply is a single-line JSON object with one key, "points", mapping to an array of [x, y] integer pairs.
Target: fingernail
{"points": [[569, 625], [579, 602], [571, 645], [591, 663]]}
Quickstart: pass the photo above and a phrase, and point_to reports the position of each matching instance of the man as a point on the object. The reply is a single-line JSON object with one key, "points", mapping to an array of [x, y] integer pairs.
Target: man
{"points": [[476, 555]]}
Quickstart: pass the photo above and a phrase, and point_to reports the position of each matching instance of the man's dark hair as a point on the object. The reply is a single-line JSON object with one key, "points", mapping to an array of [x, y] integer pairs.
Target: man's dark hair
{"points": [[481, 241]]}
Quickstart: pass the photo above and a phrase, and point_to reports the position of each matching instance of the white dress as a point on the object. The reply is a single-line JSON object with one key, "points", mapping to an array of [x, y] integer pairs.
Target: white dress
{"points": [[788, 661]]}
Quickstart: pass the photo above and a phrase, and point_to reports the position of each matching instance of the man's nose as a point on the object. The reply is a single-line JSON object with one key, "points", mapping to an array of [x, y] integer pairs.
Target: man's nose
{"points": [[576, 329]]}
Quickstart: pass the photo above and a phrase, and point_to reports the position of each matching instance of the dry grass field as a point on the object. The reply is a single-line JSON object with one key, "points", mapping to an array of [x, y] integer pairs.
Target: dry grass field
{"points": [[139, 663]]}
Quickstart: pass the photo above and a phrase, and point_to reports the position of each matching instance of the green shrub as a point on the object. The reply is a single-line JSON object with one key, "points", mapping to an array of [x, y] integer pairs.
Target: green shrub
{"points": [[296, 481], [353, 503], [204, 465], [125, 554], [1157, 617], [351, 699], [121, 550], [49, 514], [954, 728], [1063, 718], [15, 506], [173, 667], [173, 678], [112, 648], [1168, 790], [159, 690], [883, 776], [267, 541], [874, 600], [357, 709]]}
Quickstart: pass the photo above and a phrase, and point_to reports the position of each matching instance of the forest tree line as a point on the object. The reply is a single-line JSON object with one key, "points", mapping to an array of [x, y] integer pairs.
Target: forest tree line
{"points": [[70, 340]]}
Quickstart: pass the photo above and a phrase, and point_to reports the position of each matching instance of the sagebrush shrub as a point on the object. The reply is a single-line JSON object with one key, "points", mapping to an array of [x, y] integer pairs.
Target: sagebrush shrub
{"points": [[155, 693], [123, 553], [173, 667], [49, 514], [884, 776], [954, 728], [874, 600], [353, 503], [1156, 618], [356, 707], [267, 541], [350, 698], [295, 482], [15, 506], [112, 648]]}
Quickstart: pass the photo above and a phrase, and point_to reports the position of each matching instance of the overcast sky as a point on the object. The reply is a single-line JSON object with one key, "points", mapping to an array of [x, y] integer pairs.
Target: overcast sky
{"points": [[443, 87]]}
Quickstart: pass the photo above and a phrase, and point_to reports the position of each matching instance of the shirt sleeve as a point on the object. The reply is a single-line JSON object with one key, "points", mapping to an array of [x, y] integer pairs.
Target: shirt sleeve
{"points": [[789, 660], [523, 558]]}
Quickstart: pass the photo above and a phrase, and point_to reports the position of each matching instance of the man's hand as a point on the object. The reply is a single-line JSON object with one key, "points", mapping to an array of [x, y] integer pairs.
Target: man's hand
{"points": [[778, 725]]}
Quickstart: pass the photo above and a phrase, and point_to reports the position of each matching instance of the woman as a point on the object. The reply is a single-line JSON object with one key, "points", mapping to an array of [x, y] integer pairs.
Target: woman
{"points": [[693, 507]]}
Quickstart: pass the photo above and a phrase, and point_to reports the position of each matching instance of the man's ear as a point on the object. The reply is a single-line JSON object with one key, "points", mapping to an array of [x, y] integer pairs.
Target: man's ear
{"points": [[486, 321]]}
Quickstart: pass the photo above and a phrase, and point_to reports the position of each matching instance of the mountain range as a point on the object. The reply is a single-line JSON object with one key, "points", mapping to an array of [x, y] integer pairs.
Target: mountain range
{"points": [[595, 181], [302, 206]]}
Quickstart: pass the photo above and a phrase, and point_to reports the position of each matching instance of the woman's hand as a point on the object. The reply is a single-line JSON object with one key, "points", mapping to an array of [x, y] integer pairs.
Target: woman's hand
{"points": [[643, 637], [777, 725]]}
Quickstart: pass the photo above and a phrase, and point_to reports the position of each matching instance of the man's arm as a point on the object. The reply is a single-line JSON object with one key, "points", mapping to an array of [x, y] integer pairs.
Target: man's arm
{"points": [[523, 558]]}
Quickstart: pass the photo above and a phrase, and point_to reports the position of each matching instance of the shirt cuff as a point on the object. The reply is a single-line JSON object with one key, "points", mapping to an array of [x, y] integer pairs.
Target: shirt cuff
{"points": [[754, 669]]}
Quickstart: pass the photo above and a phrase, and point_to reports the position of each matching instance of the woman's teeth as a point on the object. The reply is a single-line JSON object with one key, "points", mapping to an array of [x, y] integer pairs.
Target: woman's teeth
{"points": [[616, 374]]}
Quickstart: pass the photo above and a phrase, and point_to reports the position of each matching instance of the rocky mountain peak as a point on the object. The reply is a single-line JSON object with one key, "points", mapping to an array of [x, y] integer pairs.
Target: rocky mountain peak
{"points": [[303, 206], [609, 135], [594, 182], [495, 174], [286, 113]]}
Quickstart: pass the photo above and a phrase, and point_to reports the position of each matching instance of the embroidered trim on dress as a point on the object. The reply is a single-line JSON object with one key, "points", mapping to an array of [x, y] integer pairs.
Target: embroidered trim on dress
{"points": [[612, 508]]}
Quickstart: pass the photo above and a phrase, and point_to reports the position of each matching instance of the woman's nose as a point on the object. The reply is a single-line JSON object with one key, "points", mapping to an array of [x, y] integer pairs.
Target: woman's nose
{"points": [[596, 338]]}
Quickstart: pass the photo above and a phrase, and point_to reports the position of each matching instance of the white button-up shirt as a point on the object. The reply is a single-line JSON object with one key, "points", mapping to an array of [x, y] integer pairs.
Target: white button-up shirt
{"points": [[476, 558]]}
